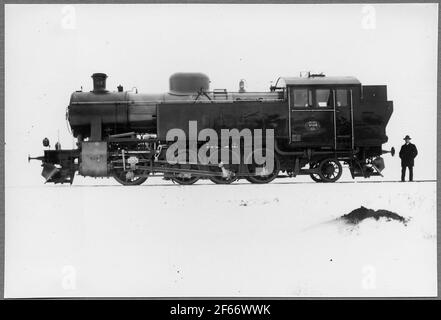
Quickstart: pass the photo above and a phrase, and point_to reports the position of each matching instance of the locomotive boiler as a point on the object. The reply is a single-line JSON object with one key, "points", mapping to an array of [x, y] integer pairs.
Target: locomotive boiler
{"points": [[317, 123]]}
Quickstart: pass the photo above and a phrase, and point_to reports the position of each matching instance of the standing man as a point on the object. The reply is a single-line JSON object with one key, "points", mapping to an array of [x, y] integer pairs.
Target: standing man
{"points": [[408, 152]]}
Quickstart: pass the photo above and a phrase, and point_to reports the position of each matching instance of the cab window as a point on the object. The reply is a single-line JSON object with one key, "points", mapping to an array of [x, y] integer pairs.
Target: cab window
{"points": [[323, 98], [342, 97], [301, 98]]}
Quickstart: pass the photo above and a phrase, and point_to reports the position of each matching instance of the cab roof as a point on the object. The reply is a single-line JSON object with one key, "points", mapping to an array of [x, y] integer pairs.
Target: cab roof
{"points": [[299, 81]]}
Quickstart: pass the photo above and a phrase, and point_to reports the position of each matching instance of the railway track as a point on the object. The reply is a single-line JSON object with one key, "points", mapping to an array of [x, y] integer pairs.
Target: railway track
{"points": [[244, 183]]}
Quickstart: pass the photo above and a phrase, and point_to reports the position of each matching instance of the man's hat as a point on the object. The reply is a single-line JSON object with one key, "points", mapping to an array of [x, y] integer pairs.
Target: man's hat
{"points": [[407, 137]]}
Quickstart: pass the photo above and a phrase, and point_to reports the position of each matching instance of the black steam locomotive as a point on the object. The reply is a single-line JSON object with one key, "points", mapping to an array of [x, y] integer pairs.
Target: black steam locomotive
{"points": [[317, 122]]}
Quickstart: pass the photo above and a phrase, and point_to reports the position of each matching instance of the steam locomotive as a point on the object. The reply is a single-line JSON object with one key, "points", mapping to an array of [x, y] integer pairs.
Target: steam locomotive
{"points": [[317, 122]]}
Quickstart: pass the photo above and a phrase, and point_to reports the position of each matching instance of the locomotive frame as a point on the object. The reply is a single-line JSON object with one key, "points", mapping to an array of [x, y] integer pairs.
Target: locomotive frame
{"points": [[319, 123]]}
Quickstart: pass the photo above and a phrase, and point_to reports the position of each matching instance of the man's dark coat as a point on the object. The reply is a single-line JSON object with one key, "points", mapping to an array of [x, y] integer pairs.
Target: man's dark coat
{"points": [[408, 152]]}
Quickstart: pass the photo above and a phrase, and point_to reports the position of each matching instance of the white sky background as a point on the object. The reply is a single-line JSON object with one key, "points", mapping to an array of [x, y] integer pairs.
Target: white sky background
{"points": [[49, 55]]}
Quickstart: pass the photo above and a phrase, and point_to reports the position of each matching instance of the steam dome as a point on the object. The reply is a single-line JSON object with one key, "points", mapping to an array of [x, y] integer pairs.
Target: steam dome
{"points": [[188, 83]]}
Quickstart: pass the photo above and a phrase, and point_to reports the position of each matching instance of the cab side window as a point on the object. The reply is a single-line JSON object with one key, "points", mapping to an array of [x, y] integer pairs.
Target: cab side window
{"points": [[301, 98], [324, 98], [342, 97]]}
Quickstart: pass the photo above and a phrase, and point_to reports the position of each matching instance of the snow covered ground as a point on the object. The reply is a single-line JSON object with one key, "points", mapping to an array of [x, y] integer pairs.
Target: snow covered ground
{"points": [[241, 240]]}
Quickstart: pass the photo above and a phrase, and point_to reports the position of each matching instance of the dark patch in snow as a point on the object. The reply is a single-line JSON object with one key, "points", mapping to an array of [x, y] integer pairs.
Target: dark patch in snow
{"points": [[362, 213]]}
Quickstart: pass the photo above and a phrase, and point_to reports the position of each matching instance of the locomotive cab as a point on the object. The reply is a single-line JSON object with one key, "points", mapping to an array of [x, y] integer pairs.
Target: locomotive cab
{"points": [[321, 111], [336, 112]]}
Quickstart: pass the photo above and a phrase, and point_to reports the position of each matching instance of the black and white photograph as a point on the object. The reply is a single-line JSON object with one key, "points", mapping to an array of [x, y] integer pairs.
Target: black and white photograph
{"points": [[220, 150]]}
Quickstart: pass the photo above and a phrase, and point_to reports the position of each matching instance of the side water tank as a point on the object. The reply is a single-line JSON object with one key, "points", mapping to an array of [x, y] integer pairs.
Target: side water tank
{"points": [[188, 83]]}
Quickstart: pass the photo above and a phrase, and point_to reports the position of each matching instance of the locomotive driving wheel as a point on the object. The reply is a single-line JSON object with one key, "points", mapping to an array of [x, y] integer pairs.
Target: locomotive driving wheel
{"points": [[261, 176], [185, 178], [129, 180], [134, 176], [330, 170], [221, 179]]}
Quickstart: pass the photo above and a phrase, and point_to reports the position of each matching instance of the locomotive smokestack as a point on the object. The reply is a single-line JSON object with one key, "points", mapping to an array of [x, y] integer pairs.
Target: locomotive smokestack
{"points": [[99, 82]]}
